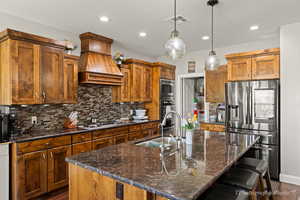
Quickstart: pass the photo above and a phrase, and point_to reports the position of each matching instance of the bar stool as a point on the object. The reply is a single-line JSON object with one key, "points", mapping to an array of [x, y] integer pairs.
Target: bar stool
{"points": [[242, 178], [224, 192], [261, 167]]}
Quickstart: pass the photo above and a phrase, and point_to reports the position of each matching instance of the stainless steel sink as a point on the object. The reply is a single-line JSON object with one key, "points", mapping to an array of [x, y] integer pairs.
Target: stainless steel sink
{"points": [[168, 143]]}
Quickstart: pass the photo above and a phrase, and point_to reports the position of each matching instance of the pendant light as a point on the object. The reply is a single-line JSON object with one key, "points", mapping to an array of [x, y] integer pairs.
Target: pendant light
{"points": [[212, 62], [175, 46]]}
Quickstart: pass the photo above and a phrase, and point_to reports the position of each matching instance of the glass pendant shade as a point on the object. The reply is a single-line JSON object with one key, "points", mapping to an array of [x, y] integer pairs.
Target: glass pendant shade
{"points": [[175, 46], [212, 62]]}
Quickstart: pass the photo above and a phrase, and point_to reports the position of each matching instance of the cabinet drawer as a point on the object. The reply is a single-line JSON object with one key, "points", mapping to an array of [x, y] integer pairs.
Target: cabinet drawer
{"points": [[101, 143], [110, 132], [84, 137], [135, 136], [81, 147], [147, 133], [148, 125], [119, 139], [134, 128], [38, 145]]}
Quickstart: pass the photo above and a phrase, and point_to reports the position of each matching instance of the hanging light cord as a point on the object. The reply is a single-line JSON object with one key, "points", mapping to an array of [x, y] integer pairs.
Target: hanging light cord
{"points": [[212, 28], [175, 16]]}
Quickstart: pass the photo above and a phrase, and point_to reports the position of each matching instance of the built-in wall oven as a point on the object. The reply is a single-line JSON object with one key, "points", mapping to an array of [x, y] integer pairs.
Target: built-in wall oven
{"points": [[167, 102]]}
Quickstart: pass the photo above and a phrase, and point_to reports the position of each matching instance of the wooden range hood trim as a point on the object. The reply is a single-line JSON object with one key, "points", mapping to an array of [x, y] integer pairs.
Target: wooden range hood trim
{"points": [[100, 78], [18, 35], [96, 63]]}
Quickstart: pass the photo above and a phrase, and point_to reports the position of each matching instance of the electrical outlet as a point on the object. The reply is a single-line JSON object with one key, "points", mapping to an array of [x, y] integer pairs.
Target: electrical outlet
{"points": [[34, 120], [94, 121]]}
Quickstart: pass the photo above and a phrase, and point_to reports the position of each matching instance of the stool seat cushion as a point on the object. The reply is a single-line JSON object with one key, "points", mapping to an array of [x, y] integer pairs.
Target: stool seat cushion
{"points": [[260, 166], [239, 177], [224, 192]]}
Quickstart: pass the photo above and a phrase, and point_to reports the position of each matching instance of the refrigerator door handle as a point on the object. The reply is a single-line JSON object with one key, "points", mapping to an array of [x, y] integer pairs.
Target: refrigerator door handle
{"points": [[262, 148]]}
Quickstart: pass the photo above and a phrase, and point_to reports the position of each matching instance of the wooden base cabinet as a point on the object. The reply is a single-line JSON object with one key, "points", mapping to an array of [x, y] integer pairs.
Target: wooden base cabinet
{"points": [[39, 166], [57, 167], [86, 184], [32, 175]]}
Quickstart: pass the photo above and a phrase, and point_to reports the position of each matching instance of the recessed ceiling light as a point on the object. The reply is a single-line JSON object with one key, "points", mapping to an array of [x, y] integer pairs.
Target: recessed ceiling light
{"points": [[104, 19], [142, 34], [254, 27], [205, 37]]}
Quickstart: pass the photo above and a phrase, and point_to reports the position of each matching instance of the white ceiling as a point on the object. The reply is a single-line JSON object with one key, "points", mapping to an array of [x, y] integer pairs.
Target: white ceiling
{"points": [[129, 17]]}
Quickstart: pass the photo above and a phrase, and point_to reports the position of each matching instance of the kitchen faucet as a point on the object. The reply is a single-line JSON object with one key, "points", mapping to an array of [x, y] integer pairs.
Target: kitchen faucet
{"points": [[178, 136]]}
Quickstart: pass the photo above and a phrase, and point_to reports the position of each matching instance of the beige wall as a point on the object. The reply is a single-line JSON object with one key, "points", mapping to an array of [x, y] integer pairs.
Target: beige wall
{"points": [[290, 103]]}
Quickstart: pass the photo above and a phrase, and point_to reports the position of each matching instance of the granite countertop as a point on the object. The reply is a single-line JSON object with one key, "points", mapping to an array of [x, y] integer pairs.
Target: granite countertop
{"points": [[191, 170], [43, 134]]}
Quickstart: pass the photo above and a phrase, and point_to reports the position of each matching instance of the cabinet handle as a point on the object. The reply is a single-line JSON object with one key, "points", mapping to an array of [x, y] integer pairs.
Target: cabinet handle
{"points": [[51, 155], [44, 96], [44, 156]]}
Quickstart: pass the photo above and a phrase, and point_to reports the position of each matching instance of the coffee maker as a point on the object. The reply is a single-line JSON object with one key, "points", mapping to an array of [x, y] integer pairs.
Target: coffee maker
{"points": [[7, 124]]}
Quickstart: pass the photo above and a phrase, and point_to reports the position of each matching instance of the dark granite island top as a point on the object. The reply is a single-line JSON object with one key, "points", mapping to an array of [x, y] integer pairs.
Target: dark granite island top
{"points": [[183, 175]]}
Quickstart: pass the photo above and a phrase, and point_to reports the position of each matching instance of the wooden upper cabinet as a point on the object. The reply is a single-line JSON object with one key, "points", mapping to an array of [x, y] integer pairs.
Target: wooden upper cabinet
{"points": [[70, 79], [52, 72], [255, 65], [136, 81], [57, 167], [123, 93], [32, 169], [265, 67], [25, 65], [239, 69], [166, 71], [147, 84], [215, 85], [33, 70]]}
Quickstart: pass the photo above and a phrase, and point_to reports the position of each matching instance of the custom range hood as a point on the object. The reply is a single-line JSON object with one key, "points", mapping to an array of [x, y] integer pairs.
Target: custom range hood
{"points": [[96, 64]]}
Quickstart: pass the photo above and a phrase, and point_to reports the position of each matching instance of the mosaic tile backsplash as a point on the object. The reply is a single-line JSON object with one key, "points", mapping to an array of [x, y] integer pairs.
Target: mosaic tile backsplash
{"points": [[94, 101]]}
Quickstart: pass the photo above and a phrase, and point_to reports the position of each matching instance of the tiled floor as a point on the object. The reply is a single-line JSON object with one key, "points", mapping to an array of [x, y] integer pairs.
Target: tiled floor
{"points": [[283, 192]]}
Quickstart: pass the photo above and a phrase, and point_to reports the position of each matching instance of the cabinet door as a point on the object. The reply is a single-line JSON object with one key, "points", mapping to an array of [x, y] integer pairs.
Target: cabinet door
{"points": [[57, 167], [119, 139], [32, 175], [101, 143], [126, 85], [70, 80], [25, 65], [147, 84], [239, 69], [137, 79], [52, 71], [215, 85], [265, 67]]}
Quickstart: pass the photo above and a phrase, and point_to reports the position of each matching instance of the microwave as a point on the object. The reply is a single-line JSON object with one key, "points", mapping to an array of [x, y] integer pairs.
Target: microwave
{"points": [[167, 89]]}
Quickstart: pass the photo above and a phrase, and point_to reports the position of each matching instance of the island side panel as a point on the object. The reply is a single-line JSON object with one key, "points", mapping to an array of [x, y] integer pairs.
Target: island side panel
{"points": [[86, 184]]}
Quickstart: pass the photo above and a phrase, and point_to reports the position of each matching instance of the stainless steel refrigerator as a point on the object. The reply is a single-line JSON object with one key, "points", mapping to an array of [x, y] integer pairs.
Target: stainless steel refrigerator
{"points": [[252, 107]]}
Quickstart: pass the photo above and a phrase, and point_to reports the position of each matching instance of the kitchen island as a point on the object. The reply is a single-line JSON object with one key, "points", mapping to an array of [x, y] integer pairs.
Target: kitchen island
{"points": [[138, 172]]}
